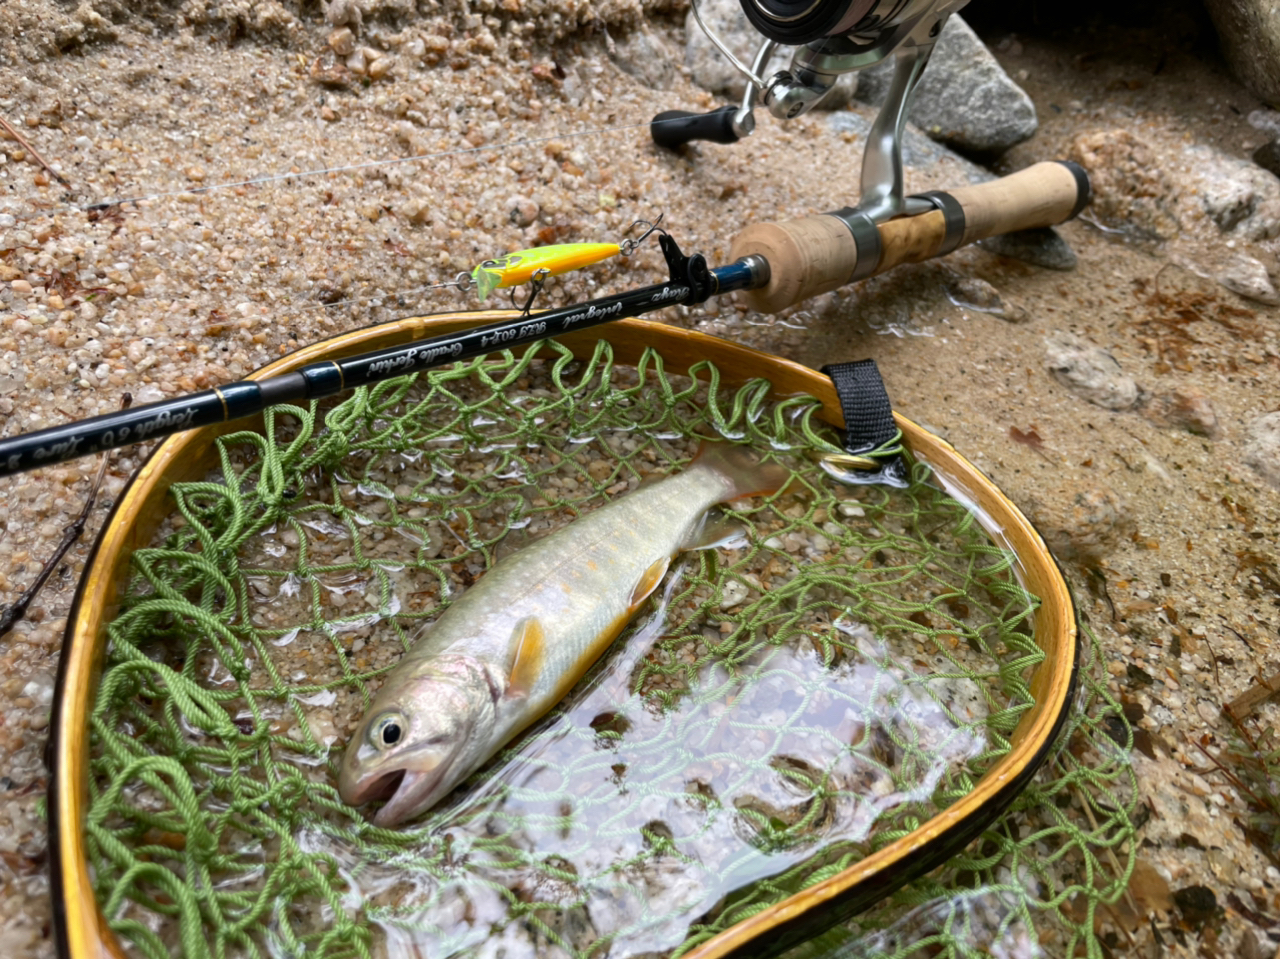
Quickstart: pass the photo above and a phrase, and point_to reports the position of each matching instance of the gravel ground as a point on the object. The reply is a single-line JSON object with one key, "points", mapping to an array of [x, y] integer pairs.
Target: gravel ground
{"points": [[184, 290]]}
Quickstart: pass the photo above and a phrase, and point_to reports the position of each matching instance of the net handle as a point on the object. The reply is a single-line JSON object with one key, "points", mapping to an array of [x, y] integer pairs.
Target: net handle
{"points": [[820, 253]]}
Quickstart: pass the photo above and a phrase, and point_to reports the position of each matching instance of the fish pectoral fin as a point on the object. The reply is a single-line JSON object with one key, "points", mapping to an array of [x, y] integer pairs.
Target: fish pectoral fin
{"points": [[649, 581], [528, 649], [715, 530]]}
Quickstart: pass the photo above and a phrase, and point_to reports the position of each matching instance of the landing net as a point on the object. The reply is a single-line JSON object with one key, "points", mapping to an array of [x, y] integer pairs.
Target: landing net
{"points": [[805, 694]]}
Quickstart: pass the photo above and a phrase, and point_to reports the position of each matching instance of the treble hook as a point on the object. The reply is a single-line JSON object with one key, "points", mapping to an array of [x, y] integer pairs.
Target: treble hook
{"points": [[629, 246]]}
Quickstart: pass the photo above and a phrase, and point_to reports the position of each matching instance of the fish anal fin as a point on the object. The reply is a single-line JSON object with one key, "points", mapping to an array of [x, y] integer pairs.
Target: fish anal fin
{"points": [[528, 649], [649, 581]]}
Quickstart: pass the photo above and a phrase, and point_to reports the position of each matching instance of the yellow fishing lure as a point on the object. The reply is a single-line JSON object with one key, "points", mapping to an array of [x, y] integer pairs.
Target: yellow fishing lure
{"points": [[513, 269], [539, 262]]}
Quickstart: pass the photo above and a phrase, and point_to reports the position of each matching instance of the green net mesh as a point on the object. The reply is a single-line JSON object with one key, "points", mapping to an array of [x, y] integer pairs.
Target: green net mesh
{"points": [[804, 694]]}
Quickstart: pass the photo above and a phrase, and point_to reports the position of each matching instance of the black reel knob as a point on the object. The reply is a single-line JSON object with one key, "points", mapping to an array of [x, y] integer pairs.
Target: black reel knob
{"points": [[674, 128]]}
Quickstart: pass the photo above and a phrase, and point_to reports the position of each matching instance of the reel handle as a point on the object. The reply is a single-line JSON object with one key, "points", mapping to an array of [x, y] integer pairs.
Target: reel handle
{"points": [[674, 128], [819, 253]]}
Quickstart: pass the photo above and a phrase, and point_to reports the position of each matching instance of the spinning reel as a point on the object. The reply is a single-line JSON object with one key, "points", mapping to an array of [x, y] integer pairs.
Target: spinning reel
{"points": [[832, 37]]}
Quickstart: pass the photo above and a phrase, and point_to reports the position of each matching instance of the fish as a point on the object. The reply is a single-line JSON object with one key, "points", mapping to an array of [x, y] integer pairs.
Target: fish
{"points": [[517, 640]]}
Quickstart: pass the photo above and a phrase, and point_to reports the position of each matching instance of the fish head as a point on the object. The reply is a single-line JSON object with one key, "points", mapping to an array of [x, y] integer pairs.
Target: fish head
{"points": [[420, 738]]}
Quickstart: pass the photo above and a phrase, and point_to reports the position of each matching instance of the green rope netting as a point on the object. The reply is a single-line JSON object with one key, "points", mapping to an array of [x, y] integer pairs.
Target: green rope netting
{"points": [[813, 688]]}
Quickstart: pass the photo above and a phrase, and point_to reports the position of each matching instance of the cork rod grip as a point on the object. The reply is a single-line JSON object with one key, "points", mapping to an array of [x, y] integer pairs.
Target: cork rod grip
{"points": [[1045, 194], [816, 254]]}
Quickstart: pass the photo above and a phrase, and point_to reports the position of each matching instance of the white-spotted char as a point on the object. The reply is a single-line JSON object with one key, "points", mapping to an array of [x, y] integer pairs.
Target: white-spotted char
{"points": [[516, 642]]}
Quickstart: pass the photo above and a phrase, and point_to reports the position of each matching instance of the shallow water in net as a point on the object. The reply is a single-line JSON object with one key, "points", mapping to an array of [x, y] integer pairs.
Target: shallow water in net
{"points": [[806, 692]]}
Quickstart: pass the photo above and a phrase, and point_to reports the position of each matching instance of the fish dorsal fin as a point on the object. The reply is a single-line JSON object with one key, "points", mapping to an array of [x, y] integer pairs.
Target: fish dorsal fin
{"points": [[649, 581], [528, 648]]}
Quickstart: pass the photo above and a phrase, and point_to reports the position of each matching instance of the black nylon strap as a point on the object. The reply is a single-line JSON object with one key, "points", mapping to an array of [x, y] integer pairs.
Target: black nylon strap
{"points": [[868, 417]]}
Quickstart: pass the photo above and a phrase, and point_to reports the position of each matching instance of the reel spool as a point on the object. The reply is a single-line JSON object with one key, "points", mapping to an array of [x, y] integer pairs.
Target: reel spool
{"points": [[796, 22]]}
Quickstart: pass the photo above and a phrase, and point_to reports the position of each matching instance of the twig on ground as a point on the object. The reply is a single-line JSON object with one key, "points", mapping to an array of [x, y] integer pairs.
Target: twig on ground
{"points": [[1213, 658], [1242, 706], [10, 615], [8, 127]]}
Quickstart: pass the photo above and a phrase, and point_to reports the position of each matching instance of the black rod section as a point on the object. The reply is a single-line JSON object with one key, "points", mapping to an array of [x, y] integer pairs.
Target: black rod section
{"points": [[57, 444]]}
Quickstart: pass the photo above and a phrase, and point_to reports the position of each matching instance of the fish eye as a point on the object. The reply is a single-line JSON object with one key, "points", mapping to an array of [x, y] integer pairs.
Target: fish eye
{"points": [[387, 731]]}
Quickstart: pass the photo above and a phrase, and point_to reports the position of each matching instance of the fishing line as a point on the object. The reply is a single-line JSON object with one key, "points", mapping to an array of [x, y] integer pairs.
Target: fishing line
{"points": [[402, 299], [344, 168]]}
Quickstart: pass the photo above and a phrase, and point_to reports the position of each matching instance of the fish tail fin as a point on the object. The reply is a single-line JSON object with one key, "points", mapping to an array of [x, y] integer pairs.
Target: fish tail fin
{"points": [[744, 472]]}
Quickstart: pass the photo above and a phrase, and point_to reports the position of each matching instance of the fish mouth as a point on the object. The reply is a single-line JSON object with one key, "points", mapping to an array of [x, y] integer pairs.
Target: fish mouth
{"points": [[384, 787], [405, 790], [407, 793]]}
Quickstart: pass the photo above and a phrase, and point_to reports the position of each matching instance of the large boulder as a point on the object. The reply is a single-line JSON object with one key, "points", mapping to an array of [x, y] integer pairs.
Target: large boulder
{"points": [[1250, 34], [964, 98], [918, 151]]}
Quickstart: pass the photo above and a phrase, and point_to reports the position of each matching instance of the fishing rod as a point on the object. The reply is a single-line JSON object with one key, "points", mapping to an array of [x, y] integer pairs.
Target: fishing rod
{"points": [[775, 264]]}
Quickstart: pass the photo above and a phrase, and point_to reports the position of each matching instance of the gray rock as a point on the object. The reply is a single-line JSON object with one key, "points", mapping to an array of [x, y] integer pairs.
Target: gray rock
{"points": [[1237, 195], [964, 99], [1262, 449], [1186, 408], [1249, 31], [643, 56], [1130, 190], [1268, 121], [1267, 156], [1091, 372], [1248, 277], [713, 72], [917, 149], [973, 293], [1043, 247]]}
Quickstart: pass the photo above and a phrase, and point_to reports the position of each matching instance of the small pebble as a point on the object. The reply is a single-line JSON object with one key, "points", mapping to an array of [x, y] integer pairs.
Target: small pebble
{"points": [[1081, 522], [523, 211], [1090, 372], [1248, 277], [1262, 449], [972, 293], [342, 42], [1186, 408]]}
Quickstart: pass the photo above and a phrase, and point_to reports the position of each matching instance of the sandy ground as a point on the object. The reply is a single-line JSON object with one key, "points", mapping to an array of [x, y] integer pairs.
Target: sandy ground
{"points": [[193, 290]]}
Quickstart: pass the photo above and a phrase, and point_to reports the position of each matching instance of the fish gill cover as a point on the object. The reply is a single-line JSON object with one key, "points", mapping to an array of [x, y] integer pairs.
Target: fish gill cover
{"points": [[804, 694]]}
